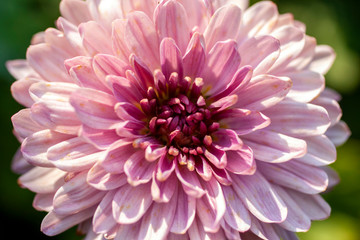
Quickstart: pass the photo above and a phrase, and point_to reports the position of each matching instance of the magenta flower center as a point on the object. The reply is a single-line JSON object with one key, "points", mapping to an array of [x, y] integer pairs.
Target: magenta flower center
{"points": [[178, 116]]}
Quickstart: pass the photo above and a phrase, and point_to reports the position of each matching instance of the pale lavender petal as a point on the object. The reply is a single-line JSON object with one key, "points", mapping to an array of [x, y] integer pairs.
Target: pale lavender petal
{"points": [[20, 90], [20, 69], [332, 107], [35, 146], [24, 126], [157, 221], [141, 38], [171, 22], [130, 203], [184, 214], [101, 139], [162, 192], [54, 224], [263, 91], [291, 118], [223, 25], [103, 219], [338, 133], [99, 178], [323, 59], [42, 180], [190, 182], [259, 197], [236, 214], [270, 146], [197, 231], [138, 170], [75, 11], [75, 196], [43, 202], [19, 164], [292, 174], [117, 154]]}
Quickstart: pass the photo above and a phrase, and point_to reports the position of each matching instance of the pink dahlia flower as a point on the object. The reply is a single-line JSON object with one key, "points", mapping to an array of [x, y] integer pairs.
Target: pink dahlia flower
{"points": [[176, 119]]}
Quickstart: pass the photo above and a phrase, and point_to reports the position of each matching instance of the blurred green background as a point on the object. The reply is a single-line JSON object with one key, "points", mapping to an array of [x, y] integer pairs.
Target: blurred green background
{"points": [[332, 22]]}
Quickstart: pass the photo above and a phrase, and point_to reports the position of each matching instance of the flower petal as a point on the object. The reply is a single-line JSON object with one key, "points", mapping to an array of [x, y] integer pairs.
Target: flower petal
{"points": [[138, 170], [53, 223], [170, 58], [224, 24], [117, 154], [99, 178], [298, 119], [338, 133], [157, 221], [163, 191], [75, 196], [95, 38], [275, 147], [42, 180], [260, 198], [103, 219], [142, 39], [35, 146], [130, 203], [184, 214], [75, 11], [299, 176], [211, 207], [263, 92], [189, 181], [171, 22], [101, 139], [20, 69], [20, 90], [194, 57], [323, 59], [236, 215]]}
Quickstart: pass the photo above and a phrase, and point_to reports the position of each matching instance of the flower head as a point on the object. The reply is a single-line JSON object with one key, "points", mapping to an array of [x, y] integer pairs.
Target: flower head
{"points": [[176, 119]]}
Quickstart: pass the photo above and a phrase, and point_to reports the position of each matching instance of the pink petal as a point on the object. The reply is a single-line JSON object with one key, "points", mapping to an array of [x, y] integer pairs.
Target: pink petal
{"points": [[296, 220], [162, 192], [171, 22], [130, 231], [226, 139], [195, 13], [71, 37], [333, 176], [236, 215], [74, 155], [292, 41], [53, 224], [165, 167], [299, 176], [274, 147], [332, 107], [243, 121], [307, 85], [170, 58], [184, 214], [338, 133], [138, 170], [129, 112], [24, 126], [216, 156], [157, 221], [105, 11], [320, 151], [241, 161], [99, 178], [221, 63], [211, 207], [103, 219], [75, 11], [105, 65], [20, 69], [323, 59], [118, 39], [194, 57], [315, 207], [42, 180], [19, 164], [43, 202], [48, 62], [131, 203], [260, 53], [298, 119], [263, 92], [35, 146], [259, 198], [95, 38], [189, 181], [197, 231], [20, 91], [203, 169], [75, 195], [223, 25], [263, 230], [124, 89], [259, 19], [101, 139], [213, 5], [117, 154], [142, 39], [95, 108], [230, 233], [82, 72]]}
